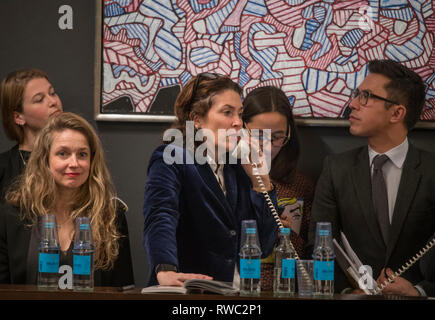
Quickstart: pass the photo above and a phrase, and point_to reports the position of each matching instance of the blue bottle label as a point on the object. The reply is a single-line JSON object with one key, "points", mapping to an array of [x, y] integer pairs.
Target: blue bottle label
{"points": [[288, 269], [250, 268], [82, 265], [49, 262], [323, 270], [285, 231]]}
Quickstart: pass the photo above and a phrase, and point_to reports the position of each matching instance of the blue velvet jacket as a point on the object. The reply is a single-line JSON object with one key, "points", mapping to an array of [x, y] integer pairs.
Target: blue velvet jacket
{"points": [[190, 223]]}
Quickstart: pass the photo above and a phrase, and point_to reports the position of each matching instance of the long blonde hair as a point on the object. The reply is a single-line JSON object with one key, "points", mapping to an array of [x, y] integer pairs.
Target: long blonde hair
{"points": [[35, 190]]}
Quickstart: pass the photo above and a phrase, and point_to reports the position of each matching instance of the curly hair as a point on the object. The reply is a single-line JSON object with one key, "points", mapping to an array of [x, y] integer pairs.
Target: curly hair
{"points": [[34, 192]]}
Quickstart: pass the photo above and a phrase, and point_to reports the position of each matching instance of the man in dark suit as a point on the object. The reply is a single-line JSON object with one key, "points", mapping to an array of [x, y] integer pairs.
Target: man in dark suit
{"points": [[387, 216]]}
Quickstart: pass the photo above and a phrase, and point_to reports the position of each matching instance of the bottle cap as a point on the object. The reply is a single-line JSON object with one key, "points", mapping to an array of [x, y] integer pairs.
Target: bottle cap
{"points": [[285, 231], [323, 228], [48, 229], [249, 227], [324, 235], [251, 230], [83, 232]]}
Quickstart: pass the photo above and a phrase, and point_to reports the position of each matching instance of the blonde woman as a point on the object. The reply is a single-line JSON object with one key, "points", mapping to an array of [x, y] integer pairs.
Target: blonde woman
{"points": [[27, 101], [66, 175]]}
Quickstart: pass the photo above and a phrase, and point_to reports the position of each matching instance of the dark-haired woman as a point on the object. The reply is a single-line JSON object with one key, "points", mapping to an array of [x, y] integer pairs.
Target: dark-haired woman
{"points": [[194, 204], [269, 108]]}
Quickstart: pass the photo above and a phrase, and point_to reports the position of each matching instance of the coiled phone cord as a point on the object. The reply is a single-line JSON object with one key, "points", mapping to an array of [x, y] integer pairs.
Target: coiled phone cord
{"points": [[277, 219], [406, 266]]}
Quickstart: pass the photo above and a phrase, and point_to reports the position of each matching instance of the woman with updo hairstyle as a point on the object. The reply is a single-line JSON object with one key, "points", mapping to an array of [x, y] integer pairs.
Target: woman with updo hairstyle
{"points": [[194, 204]]}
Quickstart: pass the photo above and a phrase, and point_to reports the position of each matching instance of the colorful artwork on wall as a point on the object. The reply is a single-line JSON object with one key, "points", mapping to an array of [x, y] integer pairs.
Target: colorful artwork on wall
{"points": [[315, 51]]}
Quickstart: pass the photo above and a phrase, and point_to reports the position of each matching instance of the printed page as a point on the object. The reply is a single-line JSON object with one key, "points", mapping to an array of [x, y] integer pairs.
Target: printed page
{"points": [[164, 289]]}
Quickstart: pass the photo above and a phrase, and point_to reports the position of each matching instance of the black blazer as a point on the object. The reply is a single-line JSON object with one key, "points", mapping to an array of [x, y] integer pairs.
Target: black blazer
{"points": [[343, 197], [11, 165], [14, 246]]}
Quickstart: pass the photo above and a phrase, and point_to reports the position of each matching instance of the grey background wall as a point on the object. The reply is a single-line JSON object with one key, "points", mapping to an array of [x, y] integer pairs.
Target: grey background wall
{"points": [[30, 37]]}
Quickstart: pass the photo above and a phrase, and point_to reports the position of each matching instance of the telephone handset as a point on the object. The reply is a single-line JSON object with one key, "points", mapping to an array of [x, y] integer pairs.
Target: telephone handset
{"points": [[406, 266], [243, 150]]}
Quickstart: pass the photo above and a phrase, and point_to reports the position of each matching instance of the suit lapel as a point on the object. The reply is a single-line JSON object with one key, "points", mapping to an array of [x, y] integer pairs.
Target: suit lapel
{"points": [[231, 186], [362, 184], [210, 180], [408, 186]]}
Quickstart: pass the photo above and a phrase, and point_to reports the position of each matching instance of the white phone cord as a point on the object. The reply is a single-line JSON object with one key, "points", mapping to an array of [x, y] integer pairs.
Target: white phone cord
{"points": [[276, 216], [406, 266]]}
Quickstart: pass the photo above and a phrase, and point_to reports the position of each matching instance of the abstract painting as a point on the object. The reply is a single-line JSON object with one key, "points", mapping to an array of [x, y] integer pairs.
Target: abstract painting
{"points": [[315, 51]]}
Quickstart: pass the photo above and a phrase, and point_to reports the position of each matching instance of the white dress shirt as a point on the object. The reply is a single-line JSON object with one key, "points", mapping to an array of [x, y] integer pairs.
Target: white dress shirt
{"points": [[218, 170]]}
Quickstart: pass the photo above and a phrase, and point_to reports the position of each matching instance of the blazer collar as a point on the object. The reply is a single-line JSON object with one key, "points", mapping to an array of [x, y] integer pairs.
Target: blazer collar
{"points": [[210, 180], [409, 182], [362, 184]]}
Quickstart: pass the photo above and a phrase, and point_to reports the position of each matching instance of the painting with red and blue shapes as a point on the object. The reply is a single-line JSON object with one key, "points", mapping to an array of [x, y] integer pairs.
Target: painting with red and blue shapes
{"points": [[315, 51]]}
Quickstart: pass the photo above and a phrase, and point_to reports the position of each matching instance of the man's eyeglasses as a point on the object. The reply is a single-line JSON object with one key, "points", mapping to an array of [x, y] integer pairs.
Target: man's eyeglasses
{"points": [[199, 78], [364, 96], [277, 140]]}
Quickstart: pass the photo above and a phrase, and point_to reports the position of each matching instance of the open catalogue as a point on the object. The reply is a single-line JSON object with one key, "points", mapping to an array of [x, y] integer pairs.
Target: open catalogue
{"points": [[356, 272], [194, 285]]}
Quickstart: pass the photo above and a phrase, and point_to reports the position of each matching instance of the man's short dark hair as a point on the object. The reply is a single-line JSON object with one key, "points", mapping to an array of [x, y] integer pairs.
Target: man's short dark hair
{"points": [[406, 87]]}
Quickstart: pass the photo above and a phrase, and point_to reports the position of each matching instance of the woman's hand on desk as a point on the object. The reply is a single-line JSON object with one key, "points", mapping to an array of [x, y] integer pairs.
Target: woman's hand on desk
{"points": [[171, 278]]}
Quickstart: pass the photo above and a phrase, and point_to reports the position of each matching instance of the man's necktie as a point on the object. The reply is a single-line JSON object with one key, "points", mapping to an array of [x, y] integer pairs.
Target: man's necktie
{"points": [[380, 197]]}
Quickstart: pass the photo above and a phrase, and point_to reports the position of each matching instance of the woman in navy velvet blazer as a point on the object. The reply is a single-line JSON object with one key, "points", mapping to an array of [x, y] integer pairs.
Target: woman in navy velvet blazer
{"points": [[193, 208]]}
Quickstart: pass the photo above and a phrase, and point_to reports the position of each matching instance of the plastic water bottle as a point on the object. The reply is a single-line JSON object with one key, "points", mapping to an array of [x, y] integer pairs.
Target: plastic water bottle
{"points": [[284, 269], [250, 261], [323, 256], [83, 256], [48, 257]]}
